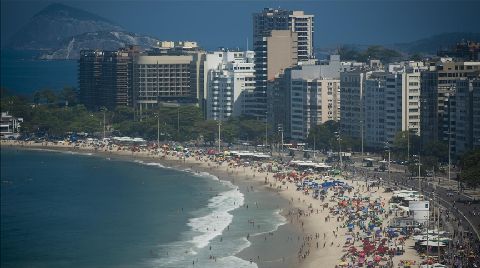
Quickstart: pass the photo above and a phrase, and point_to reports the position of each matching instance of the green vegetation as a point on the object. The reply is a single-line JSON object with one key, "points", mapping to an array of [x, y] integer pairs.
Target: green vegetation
{"points": [[50, 115], [326, 139], [371, 53], [470, 166]]}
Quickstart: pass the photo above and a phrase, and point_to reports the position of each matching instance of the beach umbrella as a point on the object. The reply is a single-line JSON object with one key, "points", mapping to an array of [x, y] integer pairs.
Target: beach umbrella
{"points": [[377, 258]]}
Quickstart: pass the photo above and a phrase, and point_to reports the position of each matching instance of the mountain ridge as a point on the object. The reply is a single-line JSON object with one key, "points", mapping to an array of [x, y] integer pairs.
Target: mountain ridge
{"points": [[47, 28], [104, 40]]}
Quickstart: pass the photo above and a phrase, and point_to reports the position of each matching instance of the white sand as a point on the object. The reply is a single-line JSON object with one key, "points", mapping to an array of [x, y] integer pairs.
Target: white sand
{"points": [[312, 225]]}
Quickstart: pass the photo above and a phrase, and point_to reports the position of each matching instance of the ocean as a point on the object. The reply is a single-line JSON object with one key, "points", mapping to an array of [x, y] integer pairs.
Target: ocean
{"points": [[64, 209], [23, 74]]}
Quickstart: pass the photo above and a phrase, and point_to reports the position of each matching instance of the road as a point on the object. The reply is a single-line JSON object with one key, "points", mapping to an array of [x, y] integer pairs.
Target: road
{"points": [[460, 204]]}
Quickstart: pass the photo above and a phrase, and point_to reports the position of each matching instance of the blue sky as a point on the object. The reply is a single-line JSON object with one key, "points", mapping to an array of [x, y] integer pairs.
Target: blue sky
{"points": [[228, 23]]}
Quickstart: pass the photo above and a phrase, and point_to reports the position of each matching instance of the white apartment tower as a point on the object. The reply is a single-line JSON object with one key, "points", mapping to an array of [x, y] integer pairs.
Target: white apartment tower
{"points": [[230, 82], [410, 88], [281, 39], [377, 105], [313, 97]]}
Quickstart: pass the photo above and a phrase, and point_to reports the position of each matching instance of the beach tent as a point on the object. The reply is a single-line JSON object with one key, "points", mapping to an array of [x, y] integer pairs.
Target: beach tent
{"points": [[432, 244]]}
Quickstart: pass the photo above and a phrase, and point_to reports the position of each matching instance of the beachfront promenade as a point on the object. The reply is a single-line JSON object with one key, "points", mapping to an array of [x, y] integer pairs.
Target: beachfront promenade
{"points": [[344, 225], [465, 203], [460, 210]]}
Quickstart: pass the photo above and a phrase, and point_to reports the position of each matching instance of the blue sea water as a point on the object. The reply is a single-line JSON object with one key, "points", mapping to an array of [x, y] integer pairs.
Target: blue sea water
{"points": [[23, 73], [62, 209]]}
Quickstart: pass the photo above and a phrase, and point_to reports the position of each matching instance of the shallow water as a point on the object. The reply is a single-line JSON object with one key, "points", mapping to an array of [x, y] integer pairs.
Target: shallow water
{"points": [[78, 210]]}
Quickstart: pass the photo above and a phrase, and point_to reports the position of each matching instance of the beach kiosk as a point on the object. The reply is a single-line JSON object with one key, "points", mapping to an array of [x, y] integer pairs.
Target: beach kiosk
{"points": [[368, 162], [419, 210]]}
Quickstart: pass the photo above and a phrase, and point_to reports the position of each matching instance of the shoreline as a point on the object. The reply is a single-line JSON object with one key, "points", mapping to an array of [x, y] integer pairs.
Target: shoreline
{"points": [[307, 239], [240, 180]]}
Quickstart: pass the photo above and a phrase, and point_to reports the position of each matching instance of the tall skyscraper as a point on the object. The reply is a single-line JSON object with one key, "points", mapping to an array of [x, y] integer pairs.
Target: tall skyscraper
{"points": [[281, 38]]}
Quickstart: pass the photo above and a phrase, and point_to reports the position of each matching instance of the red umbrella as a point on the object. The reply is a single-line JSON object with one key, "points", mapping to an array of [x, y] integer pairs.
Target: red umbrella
{"points": [[377, 258]]}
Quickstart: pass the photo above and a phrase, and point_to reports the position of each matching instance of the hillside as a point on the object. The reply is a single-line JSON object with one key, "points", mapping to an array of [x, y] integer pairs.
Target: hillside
{"points": [[431, 45], [48, 28], [106, 40]]}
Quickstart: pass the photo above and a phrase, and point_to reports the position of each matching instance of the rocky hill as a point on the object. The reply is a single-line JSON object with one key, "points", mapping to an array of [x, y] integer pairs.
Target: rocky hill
{"points": [[106, 40], [60, 32]]}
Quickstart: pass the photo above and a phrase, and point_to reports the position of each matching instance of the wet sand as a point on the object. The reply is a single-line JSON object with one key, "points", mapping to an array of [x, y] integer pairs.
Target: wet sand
{"points": [[307, 240]]}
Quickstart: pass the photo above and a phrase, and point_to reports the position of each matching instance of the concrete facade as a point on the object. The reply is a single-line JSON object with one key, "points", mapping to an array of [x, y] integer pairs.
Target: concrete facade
{"points": [[230, 81], [105, 78], [467, 130], [167, 78], [276, 37]]}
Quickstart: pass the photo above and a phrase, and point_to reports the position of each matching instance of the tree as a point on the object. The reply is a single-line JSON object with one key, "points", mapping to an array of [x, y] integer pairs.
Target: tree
{"points": [[324, 135], [470, 166], [252, 130], [208, 129], [416, 57], [44, 96], [122, 113], [401, 144], [69, 96], [371, 53]]}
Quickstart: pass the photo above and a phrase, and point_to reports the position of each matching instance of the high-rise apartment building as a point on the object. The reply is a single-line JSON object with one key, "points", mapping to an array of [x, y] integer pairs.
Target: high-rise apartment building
{"points": [[229, 82], [351, 102], [410, 89], [466, 111], [105, 78], [438, 90], [379, 104], [374, 111], [305, 96], [281, 38], [393, 104]]}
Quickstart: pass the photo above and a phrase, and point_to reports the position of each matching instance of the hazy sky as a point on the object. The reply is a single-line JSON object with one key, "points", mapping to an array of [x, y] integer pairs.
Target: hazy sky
{"points": [[228, 23]]}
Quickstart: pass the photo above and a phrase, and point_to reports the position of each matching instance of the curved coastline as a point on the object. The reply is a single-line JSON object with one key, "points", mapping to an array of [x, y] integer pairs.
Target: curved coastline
{"points": [[298, 243], [237, 182]]}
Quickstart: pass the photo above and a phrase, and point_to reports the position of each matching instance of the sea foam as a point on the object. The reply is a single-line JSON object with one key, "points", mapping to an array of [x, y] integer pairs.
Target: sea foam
{"points": [[213, 224], [154, 164]]}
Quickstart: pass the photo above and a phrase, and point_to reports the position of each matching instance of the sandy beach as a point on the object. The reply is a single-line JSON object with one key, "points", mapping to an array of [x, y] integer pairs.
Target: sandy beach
{"points": [[312, 237]]}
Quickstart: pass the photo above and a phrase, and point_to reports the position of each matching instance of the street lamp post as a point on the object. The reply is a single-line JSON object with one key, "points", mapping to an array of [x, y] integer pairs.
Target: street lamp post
{"points": [[266, 132], [158, 130], [219, 135], [280, 128], [419, 166], [361, 122], [408, 145], [178, 121], [104, 109], [339, 149], [387, 145], [103, 124]]}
